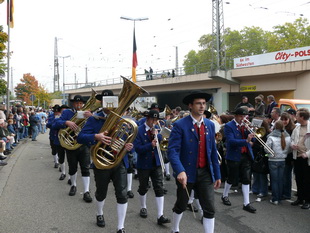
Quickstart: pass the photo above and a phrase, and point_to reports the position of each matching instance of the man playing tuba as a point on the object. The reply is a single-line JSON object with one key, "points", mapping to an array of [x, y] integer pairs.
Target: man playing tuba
{"points": [[89, 136], [79, 156]]}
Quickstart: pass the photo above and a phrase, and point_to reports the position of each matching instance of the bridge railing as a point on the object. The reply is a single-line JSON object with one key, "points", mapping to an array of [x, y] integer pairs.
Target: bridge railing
{"points": [[159, 74]]}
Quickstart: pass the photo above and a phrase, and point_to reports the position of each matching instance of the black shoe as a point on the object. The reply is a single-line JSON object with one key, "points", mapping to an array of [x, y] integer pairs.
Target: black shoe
{"points": [[167, 177], [34, 140], [163, 220], [69, 182], [130, 194], [143, 212], [72, 190], [121, 230], [3, 163], [226, 201], [2, 157], [87, 197], [6, 152], [192, 208], [306, 206], [100, 221], [297, 202], [56, 165], [136, 177], [62, 177], [249, 208]]}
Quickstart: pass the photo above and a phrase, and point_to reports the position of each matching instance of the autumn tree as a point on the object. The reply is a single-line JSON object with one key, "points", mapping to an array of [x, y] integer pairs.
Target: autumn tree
{"points": [[43, 98], [29, 85]]}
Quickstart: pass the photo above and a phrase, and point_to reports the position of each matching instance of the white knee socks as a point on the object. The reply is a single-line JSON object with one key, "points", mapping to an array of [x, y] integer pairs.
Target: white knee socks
{"points": [[160, 206], [143, 201], [121, 215], [86, 181], [246, 193], [129, 181], [176, 219], [226, 189], [73, 180], [99, 205], [208, 225]]}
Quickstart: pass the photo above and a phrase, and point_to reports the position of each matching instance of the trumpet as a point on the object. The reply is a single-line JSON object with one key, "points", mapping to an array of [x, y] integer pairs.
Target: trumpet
{"points": [[258, 134]]}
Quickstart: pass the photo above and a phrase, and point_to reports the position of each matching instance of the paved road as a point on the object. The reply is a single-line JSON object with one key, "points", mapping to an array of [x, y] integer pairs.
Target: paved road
{"points": [[32, 199]]}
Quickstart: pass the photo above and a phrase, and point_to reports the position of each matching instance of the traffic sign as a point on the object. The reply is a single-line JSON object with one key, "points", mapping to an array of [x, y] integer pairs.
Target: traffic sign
{"points": [[32, 97]]}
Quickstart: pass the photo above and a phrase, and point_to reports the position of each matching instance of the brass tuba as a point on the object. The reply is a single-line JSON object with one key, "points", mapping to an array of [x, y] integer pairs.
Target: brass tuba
{"points": [[121, 130], [68, 137]]}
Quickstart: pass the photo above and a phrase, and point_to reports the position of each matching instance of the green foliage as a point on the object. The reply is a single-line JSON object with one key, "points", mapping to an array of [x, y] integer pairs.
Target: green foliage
{"points": [[247, 42], [56, 95], [3, 40], [3, 87]]}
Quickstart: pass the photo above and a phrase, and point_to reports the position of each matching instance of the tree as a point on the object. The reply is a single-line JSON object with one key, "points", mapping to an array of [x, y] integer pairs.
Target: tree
{"points": [[3, 40], [3, 87], [28, 86], [251, 41], [43, 99]]}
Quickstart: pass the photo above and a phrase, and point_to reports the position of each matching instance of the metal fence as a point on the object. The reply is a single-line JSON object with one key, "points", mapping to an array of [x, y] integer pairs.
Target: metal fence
{"points": [[160, 74]]}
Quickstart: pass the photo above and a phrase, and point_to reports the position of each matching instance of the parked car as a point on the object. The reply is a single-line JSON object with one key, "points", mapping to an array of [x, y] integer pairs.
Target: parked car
{"points": [[295, 104]]}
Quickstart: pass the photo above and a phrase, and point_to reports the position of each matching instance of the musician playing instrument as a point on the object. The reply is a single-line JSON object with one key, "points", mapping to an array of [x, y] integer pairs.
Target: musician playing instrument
{"points": [[193, 157], [60, 151], [90, 135], [150, 166], [79, 156], [239, 157]]}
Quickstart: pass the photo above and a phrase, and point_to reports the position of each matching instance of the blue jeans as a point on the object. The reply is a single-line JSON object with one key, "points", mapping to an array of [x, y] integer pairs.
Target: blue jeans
{"points": [[34, 132], [276, 177], [287, 181], [260, 183]]}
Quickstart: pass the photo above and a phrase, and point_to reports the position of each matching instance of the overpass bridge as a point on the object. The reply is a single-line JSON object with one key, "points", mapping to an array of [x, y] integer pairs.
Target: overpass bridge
{"points": [[284, 80]]}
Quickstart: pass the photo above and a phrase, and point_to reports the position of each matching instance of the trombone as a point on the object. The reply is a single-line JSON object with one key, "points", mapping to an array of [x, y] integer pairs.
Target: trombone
{"points": [[258, 134]]}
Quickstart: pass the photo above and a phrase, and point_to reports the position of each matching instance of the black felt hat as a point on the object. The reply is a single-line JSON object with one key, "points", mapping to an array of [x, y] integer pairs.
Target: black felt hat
{"points": [[56, 108], [78, 98], [104, 93], [64, 106], [152, 114], [241, 111], [154, 105], [196, 95]]}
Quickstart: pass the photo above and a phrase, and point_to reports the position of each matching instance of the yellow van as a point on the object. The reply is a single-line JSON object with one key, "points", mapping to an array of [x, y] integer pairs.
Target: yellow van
{"points": [[295, 104]]}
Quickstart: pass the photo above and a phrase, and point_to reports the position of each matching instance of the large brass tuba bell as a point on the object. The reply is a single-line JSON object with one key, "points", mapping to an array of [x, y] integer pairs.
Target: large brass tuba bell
{"points": [[68, 137], [121, 130]]}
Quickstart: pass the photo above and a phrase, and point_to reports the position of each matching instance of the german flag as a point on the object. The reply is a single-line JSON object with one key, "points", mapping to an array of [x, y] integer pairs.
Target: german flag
{"points": [[134, 58], [10, 13]]}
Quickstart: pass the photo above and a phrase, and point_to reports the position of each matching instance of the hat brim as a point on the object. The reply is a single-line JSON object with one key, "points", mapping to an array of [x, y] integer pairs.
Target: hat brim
{"points": [[189, 98], [99, 97]]}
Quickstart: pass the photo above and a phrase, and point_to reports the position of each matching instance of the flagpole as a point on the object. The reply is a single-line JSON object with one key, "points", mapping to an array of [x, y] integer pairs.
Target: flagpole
{"points": [[8, 64]]}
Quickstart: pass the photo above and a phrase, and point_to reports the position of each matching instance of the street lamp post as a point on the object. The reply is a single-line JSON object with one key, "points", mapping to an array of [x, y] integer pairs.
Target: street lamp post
{"points": [[63, 74]]}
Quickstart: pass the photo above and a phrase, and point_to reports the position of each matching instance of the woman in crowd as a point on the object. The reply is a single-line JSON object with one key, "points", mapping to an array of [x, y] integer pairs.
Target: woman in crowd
{"points": [[279, 141], [289, 126]]}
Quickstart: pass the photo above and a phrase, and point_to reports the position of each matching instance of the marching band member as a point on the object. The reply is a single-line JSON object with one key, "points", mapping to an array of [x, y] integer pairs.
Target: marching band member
{"points": [[239, 157], [50, 120], [149, 165], [61, 153], [193, 157], [154, 106], [90, 135], [79, 156]]}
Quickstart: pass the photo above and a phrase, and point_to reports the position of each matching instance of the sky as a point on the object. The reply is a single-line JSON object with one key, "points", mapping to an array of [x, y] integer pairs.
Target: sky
{"points": [[100, 44]]}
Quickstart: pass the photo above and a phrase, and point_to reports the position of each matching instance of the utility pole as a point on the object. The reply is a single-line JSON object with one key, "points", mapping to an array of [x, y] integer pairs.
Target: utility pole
{"points": [[86, 78], [56, 66], [219, 54]]}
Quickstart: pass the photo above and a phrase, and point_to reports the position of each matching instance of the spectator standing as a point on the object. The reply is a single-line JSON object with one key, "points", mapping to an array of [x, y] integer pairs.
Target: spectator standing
{"points": [[34, 126], [301, 156], [279, 141], [245, 102], [151, 73], [275, 116], [271, 104], [259, 107], [289, 126]]}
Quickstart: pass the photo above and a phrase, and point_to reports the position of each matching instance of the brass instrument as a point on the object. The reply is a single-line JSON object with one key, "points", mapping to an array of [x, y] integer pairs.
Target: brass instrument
{"points": [[68, 137], [258, 134], [165, 132], [121, 130], [167, 111]]}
